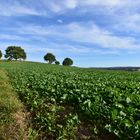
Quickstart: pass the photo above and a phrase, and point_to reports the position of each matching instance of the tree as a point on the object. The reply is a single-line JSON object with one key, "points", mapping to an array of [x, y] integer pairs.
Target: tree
{"points": [[57, 62], [67, 62], [0, 54], [49, 57], [15, 52]]}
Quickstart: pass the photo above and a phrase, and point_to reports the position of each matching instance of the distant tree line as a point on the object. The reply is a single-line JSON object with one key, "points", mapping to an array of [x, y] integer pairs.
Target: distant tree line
{"points": [[17, 53]]}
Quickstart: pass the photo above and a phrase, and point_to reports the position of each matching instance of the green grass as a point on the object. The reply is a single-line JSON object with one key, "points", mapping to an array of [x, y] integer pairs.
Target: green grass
{"points": [[10, 110]]}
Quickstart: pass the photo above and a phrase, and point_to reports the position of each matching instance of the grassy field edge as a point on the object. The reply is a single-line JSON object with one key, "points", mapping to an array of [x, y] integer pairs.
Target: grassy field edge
{"points": [[13, 123]]}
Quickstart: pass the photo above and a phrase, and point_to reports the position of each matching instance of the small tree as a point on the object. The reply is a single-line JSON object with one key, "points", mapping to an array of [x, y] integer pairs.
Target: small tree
{"points": [[49, 57], [15, 52], [0, 54], [57, 62], [67, 62]]}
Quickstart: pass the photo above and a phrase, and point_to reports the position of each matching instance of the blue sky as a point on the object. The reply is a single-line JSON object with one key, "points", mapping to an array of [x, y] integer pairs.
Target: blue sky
{"points": [[94, 33]]}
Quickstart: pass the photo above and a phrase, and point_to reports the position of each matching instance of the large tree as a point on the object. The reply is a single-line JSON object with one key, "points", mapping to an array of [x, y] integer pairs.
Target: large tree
{"points": [[0, 54], [50, 58], [67, 62], [15, 52]]}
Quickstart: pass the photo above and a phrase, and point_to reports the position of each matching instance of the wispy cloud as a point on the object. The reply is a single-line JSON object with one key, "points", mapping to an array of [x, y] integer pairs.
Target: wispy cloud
{"points": [[18, 8], [59, 6], [129, 24], [45, 7], [60, 21], [76, 27], [12, 37], [84, 33]]}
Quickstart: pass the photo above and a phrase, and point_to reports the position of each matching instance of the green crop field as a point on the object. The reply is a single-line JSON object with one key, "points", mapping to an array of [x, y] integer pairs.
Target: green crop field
{"points": [[67, 103]]}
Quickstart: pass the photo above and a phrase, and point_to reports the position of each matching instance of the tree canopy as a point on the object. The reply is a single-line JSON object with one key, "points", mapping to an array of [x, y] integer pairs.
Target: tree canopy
{"points": [[67, 62], [15, 52], [57, 62], [50, 58], [0, 54]]}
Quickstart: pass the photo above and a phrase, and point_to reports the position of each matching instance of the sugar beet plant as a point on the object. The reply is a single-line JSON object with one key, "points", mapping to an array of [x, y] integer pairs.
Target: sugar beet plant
{"points": [[61, 99]]}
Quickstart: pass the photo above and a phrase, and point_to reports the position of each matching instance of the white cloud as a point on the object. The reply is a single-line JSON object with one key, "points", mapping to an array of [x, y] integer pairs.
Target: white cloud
{"points": [[16, 8], [96, 35], [108, 5], [60, 21], [100, 2], [12, 37], [45, 7], [58, 6], [129, 24], [57, 48], [79, 32], [83, 33]]}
